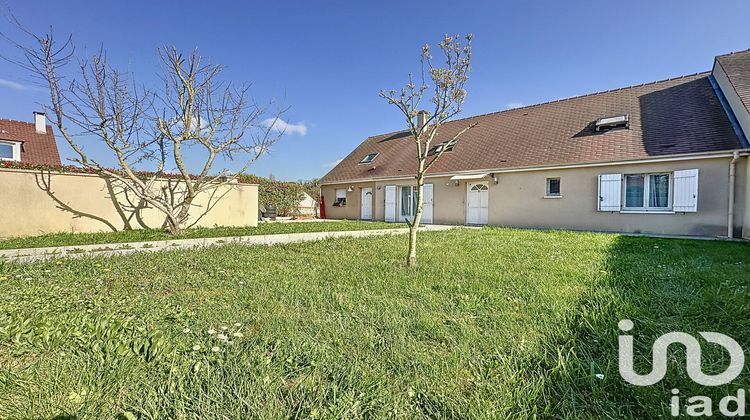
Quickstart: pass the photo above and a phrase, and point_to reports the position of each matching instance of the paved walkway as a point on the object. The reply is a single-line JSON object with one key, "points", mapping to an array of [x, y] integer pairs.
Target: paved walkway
{"points": [[36, 254]]}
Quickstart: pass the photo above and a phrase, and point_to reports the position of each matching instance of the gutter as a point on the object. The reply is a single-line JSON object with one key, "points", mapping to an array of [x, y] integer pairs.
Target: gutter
{"points": [[732, 182]]}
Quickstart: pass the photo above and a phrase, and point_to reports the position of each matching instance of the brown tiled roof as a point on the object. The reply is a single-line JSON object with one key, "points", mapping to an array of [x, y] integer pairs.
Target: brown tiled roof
{"points": [[36, 149], [737, 68], [676, 116]]}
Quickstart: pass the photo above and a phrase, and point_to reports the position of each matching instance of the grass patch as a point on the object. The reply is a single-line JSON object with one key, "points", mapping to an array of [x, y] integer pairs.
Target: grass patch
{"points": [[493, 323], [142, 235]]}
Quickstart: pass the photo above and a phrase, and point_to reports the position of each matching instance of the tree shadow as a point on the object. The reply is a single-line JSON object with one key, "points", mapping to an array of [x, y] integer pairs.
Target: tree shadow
{"points": [[128, 206], [214, 197], [129, 209]]}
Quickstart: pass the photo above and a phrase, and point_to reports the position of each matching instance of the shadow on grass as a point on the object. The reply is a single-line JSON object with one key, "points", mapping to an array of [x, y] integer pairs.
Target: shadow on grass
{"points": [[662, 285]]}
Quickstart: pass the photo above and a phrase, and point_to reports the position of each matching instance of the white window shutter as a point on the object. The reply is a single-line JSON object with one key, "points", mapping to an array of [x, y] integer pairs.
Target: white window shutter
{"points": [[685, 191], [390, 203], [427, 204], [610, 192]]}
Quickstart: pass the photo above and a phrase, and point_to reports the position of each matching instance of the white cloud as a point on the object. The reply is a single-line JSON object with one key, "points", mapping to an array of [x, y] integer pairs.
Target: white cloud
{"points": [[11, 84], [282, 126], [330, 165], [514, 105]]}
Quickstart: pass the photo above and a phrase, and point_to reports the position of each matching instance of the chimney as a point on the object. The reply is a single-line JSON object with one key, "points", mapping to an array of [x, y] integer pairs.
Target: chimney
{"points": [[422, 117], [40, 122]]}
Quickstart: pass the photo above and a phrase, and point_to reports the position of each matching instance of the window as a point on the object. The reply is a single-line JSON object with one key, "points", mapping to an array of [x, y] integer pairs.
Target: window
{"points": [[608, 123], [408, 202], [340, 198], [553, 187], [369, 158], [648, 191], [10, 151], [448, 146]]}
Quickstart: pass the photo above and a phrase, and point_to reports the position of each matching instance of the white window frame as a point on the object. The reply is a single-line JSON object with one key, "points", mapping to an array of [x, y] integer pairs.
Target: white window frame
{"points": [[16, 146], [365, 160], [336, 202], [547, 192], [646, 185]]}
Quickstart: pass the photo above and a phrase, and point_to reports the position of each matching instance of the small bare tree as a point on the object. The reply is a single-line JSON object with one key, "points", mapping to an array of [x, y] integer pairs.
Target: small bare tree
{"points": [[448, 95], [193, 113]]}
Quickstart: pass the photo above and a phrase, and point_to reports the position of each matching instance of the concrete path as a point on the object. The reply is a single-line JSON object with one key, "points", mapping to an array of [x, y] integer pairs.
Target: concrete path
{"points": [[36, 254]]}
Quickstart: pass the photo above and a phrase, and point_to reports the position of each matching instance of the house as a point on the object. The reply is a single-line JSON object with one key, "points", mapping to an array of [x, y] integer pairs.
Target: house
{"points": [[308, 206], [32, 143], [667, 157]]}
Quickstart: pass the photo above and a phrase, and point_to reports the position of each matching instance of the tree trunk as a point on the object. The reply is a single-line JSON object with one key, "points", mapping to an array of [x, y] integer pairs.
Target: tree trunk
{"points": [[411, 260], [173, 226], [174, 223]]}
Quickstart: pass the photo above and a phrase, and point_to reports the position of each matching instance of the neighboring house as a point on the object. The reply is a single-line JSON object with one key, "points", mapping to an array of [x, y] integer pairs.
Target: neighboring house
{"points": [[32, 143], [652, 158], [308, 206]]}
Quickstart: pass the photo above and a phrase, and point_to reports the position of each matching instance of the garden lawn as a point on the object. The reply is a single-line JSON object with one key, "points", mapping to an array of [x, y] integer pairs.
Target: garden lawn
{"points": [[143, 235], [493, 323]]}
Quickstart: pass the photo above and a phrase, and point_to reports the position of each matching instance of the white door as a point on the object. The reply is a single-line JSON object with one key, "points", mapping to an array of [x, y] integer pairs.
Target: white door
{"points": [[427, 204], [477, 200], [390, 203], [366, 204]]}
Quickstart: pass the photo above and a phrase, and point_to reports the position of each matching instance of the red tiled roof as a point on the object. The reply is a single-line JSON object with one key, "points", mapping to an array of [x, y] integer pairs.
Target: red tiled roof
{"points": [[36, 149], [737, 68], [676, 116]]}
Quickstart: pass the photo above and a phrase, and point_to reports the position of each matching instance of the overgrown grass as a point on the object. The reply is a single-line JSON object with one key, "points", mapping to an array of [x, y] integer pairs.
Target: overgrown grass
{"points": [[69, 239], [493, 323]]}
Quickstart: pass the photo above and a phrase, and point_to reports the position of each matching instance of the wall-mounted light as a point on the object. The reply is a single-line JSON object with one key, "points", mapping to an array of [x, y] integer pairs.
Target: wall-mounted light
{"points": [[457, 183], [351, 189], [495, 178]]}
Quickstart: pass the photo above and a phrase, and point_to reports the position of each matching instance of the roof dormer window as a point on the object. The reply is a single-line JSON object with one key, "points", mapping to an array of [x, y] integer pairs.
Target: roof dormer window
{"points": [[369, 158], [609, 123], [10, 150]]}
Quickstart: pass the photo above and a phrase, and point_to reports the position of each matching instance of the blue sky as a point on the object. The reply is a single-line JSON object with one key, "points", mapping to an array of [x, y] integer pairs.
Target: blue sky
{"points": [[327, 60]]}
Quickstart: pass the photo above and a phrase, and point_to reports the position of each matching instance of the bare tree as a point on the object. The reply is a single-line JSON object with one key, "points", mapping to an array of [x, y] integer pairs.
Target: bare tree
{"points": [[194, 112], [448, 95]]}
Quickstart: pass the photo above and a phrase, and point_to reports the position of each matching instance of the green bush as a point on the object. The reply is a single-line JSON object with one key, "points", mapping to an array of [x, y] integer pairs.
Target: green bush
{"points": [[285, 196]]}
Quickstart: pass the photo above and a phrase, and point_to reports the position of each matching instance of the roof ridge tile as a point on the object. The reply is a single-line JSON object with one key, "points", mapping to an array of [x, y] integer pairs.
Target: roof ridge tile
{"points": [[733, 53]]}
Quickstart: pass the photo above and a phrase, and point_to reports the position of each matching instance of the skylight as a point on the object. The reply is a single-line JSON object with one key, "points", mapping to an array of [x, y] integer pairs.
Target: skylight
{"points": [[448, 146], [369, 158], [608, 123]]}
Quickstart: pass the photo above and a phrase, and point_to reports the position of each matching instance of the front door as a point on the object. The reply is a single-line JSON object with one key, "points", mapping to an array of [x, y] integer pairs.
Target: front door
{"points": [[477, 200], [366, 204]]}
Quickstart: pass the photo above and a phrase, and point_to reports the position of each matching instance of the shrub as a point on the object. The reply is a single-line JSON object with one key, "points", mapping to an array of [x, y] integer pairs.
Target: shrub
{"points": [[284, 196]]}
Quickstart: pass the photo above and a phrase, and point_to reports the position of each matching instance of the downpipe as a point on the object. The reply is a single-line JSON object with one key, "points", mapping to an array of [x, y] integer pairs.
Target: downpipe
{"points": [[732, 182]]}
